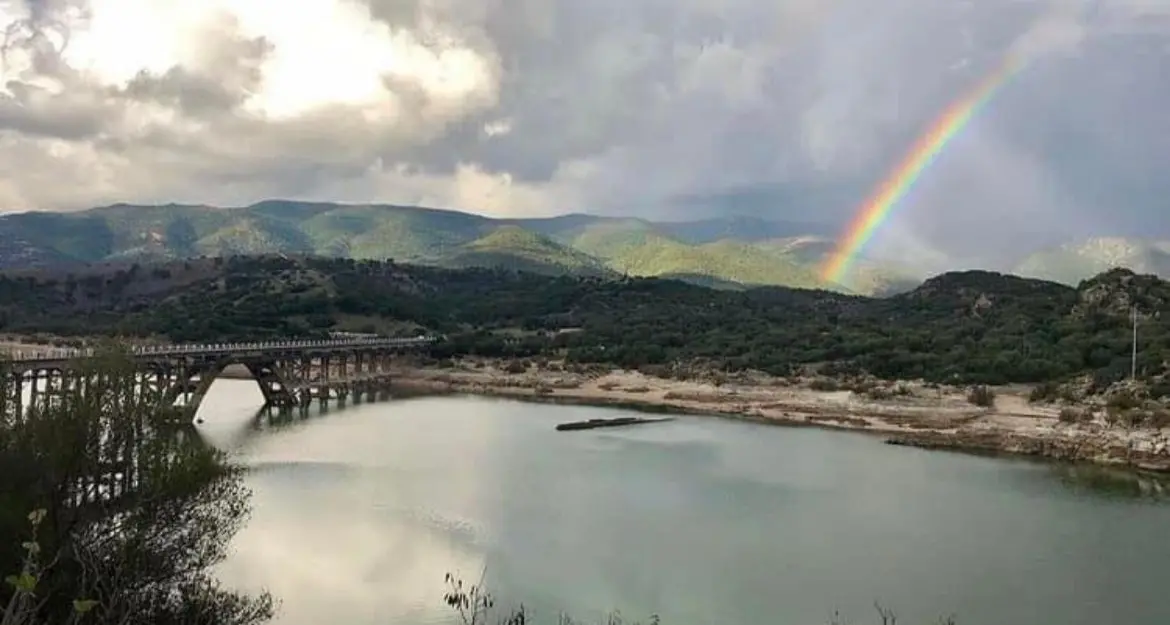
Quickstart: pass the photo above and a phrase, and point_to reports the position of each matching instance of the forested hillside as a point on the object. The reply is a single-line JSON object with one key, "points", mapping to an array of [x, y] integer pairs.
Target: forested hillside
{"points": [[958, 327], [733, 252]]}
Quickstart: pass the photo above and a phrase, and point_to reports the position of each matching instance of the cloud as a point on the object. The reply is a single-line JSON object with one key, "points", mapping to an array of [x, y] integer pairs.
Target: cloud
{"points": [[683, 108]]}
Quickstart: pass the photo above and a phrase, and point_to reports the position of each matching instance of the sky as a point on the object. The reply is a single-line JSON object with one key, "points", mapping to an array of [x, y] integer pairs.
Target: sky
{"points": [[665, 109]]}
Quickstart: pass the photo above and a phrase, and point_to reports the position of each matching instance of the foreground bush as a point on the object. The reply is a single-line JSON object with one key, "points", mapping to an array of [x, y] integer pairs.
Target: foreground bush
{"points": [[475, 606], [109, 514]]}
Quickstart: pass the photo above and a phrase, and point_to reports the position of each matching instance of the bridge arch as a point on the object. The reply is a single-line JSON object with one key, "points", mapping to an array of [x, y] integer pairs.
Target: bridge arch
{"points": [[289, 373]]}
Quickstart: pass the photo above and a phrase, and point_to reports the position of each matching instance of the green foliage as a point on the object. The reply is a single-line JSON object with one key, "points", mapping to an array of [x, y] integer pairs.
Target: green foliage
{"points": [[729, 260], [258, 234], [638, 248], [517, 249], [976, 328], [131, 514], [21, 605]]}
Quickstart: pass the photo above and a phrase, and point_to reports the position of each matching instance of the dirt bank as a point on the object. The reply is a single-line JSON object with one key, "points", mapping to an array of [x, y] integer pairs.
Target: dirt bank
{"points": [[905, 413]]}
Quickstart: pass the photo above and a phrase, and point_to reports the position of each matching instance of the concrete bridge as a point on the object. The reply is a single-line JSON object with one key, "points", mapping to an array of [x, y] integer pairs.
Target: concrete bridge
{"points": [[289, 373], [163, 386]]}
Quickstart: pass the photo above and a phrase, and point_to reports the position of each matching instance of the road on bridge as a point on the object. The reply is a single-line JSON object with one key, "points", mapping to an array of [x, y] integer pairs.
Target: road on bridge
{"points": [[259, 348]]}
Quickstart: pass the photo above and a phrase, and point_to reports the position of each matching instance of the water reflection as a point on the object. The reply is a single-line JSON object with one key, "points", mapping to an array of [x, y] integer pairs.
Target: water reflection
{"points": [[1113, 483], [333, 557], [353, 522], [229, 420], [360, 513]]}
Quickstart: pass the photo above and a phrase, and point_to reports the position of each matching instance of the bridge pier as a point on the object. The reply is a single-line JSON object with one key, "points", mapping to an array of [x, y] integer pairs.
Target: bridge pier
{"points": [[45, 386], [163, 387], [290, 374], [324, 377], [12, 406]]}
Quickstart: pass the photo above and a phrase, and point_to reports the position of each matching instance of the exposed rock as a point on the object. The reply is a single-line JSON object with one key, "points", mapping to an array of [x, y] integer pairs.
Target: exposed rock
{"points": [[1144, 450]]}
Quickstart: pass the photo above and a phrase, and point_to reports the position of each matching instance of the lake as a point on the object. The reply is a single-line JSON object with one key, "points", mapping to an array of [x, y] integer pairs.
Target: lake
{"points": [[360, 512]]}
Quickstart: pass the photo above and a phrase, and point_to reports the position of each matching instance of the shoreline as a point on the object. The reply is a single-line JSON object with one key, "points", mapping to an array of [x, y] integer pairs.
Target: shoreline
{"points": [[907, 413]]}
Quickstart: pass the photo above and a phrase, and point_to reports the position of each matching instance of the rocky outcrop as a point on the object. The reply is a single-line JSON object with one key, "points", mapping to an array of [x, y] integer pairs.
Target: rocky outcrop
{"points": [[1148, 451]]}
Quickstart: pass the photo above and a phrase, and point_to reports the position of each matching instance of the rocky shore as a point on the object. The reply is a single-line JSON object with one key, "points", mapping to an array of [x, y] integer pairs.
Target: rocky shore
{"points": [[1146, 451], [903, 413]]}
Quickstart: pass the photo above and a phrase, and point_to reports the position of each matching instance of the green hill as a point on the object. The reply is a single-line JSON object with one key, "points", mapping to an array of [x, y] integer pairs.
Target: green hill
{"points": [[404, 233], [637, 248], [740, 228], [964, 327], [724, 253], [514, 248], [734, 261], [866, 276]]}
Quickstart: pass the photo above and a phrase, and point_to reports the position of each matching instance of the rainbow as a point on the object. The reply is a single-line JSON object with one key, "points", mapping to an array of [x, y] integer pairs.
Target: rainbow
{"points": [[881, 203]]}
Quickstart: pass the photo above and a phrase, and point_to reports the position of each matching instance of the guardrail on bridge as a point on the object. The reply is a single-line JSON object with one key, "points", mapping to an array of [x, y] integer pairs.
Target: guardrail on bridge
{"points": [[184, 349]]}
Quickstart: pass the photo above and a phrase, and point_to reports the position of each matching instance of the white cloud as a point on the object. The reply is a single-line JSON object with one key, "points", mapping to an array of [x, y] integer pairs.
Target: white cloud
{"points": [[1058, 31], [324, 52], [497, 127], [525, 107]]}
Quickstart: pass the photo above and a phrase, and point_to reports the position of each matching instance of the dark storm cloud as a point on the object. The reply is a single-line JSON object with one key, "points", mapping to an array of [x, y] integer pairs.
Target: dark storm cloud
{"points": [[792, 110]]}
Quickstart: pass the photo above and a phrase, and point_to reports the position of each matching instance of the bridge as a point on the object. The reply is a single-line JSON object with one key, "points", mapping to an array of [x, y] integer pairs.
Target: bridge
{"points": [[289, 373], [129, 419]]}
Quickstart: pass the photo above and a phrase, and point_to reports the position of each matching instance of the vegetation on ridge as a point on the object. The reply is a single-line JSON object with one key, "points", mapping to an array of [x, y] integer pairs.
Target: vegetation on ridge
{"points": [[731, 252], [512, 247], [967, 327]]}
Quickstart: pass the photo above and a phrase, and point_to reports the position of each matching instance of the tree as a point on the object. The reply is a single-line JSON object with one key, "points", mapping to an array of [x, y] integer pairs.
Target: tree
{"points": [[134, 511]]}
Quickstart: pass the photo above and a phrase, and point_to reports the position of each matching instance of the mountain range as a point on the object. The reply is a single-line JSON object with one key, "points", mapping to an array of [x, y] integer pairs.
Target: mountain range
{"points": [[731, 252], [734, 252], [1072, 262]]}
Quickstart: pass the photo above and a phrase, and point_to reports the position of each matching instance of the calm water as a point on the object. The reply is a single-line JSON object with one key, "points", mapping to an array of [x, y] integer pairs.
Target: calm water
{"points": [[360, 512]]}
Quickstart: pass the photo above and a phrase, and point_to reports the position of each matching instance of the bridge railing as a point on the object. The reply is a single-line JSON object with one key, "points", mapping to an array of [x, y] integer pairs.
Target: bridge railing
{"points": [[197, 349]]}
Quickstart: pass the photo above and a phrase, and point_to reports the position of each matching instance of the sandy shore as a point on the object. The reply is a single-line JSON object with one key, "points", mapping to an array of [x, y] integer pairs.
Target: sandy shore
{"points": [[908, 413], [903, 413]]}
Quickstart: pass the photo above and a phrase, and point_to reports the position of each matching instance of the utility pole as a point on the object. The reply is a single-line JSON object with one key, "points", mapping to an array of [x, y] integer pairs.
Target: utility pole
{"points": [[1133, 356]]}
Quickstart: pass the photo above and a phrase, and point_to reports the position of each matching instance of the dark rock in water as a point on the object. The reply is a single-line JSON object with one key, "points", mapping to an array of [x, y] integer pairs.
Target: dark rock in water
{"points": [[608, 423]]}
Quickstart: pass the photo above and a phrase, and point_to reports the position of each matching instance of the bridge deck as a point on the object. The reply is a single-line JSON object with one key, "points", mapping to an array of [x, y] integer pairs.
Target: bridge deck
{"points": [[169, 383], [53, 356]]}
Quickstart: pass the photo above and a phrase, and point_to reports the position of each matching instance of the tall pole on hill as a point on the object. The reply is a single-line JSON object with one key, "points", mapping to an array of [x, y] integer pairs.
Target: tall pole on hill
{"points": [[1133, 356]]}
